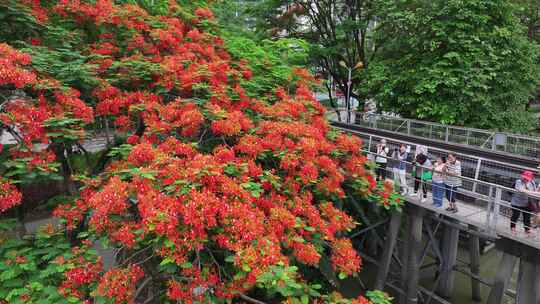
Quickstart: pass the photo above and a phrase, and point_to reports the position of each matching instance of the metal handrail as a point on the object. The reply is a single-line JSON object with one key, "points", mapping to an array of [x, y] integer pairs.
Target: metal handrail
{"points": [[522, 136], [487, 140], [410, 143], [463, 178]]}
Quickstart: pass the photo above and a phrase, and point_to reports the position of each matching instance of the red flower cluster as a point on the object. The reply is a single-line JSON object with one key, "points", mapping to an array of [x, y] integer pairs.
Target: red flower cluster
{"points": [[11, 71], [9, 196], [80, 278], [204, 13], [232, 125], [120, 284], [196, 289], [72, 214], [210, 169], [344, 257], [361, 300]]}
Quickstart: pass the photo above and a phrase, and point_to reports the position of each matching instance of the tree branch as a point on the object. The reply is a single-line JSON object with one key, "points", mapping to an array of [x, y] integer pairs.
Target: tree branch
{"points": [[141, 287], [250, 299]]}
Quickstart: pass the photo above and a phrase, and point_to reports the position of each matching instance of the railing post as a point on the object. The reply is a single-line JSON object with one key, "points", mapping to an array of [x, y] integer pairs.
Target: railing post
{"points": [[496, 208], [476, 174], [468, 135], [408, 127], [369, 143], [447, 135], [493, 209]]}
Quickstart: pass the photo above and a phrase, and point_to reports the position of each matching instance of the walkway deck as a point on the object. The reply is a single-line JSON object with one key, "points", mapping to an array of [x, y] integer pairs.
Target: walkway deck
{"points": [[470, 214]]}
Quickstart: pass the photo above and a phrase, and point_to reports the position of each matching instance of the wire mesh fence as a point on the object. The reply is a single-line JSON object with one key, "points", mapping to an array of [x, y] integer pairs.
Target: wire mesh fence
{"points": [[498, 141]]}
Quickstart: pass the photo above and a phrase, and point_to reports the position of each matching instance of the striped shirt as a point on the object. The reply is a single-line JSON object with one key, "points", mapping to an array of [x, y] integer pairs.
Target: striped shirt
{"points": [[453, 177]]}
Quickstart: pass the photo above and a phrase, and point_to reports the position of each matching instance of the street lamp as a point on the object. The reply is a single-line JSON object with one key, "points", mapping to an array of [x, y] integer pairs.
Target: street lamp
{"points": [[359, 65]]}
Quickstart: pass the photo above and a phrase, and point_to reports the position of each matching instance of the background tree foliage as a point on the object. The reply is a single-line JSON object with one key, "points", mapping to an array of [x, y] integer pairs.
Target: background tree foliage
{"points": [[457, 62], [529, 13], [471, 63], [337, 31]]}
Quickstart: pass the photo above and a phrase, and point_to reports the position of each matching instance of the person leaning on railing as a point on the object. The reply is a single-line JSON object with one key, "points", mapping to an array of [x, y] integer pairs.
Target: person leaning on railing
{"points": [[421, 171], [452, 181], [521, 201], [399, 168], [437, 185], [381, 160]]}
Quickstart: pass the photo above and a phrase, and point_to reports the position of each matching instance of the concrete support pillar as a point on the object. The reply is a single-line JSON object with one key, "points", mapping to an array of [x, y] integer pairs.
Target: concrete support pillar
{"points": [[415, 247], [474, 252], [386, 259], [404, 261], [449, 253], [500, 284], [526, 290], [537, 281]]}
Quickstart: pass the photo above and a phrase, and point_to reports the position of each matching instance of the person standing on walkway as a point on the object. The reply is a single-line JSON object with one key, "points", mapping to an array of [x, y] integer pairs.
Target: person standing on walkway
{"points": [[381, 160], [525, 186], [399, 169], [452, 181], [437, 185], [421, 171]]}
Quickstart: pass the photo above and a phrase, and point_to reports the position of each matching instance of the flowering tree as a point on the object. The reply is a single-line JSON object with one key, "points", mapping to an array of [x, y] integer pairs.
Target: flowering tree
{"points": [[217, 194]]}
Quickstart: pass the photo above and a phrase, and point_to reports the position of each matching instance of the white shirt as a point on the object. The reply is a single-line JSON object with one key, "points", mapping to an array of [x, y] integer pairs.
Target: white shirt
{"points": [[382, 151]]}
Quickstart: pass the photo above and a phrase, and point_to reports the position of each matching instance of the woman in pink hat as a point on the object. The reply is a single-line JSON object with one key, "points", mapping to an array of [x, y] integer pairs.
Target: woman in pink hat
{"points": [[525, 186]]}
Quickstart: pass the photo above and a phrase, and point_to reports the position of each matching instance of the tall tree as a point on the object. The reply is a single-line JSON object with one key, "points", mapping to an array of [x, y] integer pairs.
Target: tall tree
{"points": [[529, 13], [456, 62], [339, 31], [218, 191]]}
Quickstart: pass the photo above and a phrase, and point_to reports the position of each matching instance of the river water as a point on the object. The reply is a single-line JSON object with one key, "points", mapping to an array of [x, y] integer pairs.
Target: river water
{"points": [[489, 264]]}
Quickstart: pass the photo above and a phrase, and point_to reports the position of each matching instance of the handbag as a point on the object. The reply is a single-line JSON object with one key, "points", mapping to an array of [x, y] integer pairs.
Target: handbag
{"points": [[534, 201], [534, 205], [536, 220]]}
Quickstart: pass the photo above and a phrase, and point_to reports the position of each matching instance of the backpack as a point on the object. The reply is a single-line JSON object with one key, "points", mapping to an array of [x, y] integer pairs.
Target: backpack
{"points": [[534, 203]]}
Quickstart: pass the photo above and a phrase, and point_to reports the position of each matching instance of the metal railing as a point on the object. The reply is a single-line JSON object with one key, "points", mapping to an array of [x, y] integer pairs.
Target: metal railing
{"points": [[473, 167], [484, 204], [484, 139]]}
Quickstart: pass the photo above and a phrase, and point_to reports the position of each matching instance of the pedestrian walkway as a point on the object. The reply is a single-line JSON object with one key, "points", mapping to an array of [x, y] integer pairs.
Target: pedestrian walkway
{"points": [[489, 212]]}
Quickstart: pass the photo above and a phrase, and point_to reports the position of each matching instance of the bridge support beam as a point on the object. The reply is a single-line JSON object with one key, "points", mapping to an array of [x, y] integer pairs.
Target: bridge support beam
{"points": [[404, 253], [449, 253], [527, 279], [500, 284], [474, 257], [537, 280], [415, 247], [389, 245]]}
